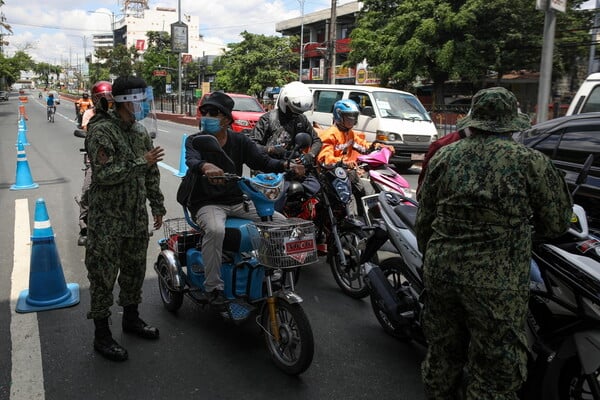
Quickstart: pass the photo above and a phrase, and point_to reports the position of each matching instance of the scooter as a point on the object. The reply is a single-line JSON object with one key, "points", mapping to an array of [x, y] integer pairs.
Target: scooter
{"points": [[258, 265], [563, 324], [381, 176]]}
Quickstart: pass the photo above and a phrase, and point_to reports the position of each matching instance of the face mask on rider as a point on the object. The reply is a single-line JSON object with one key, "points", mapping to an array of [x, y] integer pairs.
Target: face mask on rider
{"points": [[210, 124]]}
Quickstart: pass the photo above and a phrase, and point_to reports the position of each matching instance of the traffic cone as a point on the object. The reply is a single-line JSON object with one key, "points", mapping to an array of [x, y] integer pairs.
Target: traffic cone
{"points": [[22, 112], [22, 136], [182, 165], [47, 287], [23, 179]]}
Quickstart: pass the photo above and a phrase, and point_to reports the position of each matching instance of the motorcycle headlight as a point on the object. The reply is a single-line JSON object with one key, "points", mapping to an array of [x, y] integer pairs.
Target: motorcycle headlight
{"points": [[268, 191], [342, 190]]}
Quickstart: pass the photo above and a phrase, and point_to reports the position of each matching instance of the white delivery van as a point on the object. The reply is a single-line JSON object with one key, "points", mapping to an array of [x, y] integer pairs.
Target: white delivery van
{"points": [[587, 98], [391, 116]]}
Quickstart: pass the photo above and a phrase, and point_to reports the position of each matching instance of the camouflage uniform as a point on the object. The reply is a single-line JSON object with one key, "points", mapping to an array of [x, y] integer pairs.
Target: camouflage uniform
{"points": [[479, 200], [118, 218]]}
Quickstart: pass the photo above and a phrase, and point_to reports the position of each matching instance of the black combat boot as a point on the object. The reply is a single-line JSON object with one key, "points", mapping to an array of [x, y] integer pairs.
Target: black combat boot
{"points": [[105, 344], [132, 323]]}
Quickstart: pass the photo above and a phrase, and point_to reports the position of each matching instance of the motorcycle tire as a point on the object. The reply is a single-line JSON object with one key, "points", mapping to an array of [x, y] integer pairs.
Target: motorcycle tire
{"points": [[572, 383], [172, 300], [349, 278], [392, 269], [294, 351]]}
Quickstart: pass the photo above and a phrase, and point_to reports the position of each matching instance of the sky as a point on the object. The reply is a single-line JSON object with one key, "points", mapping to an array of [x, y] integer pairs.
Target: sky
{"points": [[56, 31]]}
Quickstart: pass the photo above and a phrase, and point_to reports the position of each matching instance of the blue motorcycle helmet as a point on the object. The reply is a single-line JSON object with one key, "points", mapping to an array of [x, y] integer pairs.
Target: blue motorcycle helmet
{"points": [[345, 114]]}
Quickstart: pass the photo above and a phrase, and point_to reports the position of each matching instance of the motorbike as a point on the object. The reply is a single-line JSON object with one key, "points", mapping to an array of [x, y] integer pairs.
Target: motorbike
{"points": [[343, 233], [563, 322], [259, 259]]}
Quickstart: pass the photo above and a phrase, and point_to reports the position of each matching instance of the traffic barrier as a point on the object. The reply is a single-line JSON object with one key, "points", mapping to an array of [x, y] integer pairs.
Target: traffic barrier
{"points": [[22, 136], [182, 165], [23, 178], [47, 287]]}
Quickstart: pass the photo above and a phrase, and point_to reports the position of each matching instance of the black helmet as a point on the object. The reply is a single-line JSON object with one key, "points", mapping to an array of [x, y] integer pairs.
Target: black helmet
{"points": [[295, 189]]}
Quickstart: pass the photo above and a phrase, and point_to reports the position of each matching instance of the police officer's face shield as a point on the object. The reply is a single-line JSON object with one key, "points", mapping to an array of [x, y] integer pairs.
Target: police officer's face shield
{"points": [[142, 107]]}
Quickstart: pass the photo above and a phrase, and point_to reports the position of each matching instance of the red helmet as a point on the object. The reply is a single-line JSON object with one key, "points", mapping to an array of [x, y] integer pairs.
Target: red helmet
{"points": [[100, 90]]}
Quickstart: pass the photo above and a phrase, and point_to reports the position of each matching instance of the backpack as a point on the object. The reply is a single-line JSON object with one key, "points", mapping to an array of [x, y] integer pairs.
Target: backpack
{"points": [[186, 187]]}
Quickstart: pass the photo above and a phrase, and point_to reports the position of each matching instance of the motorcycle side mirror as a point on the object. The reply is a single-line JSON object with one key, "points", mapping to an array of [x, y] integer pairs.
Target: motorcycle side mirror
{"points": [[583, 174], [368, 111], [303, 140], [79, 133]]}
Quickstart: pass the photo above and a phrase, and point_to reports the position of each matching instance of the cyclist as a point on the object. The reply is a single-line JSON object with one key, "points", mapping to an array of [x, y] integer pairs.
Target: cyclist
{"points": [[50, 107]]}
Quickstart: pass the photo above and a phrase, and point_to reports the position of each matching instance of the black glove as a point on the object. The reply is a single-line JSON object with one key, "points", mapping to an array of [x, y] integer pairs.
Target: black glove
{"points": [[308, 159], [276, 151]]}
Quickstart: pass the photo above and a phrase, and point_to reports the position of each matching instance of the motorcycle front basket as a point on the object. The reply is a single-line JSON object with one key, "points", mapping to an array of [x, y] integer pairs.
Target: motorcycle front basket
{"points": [[284, 244]]}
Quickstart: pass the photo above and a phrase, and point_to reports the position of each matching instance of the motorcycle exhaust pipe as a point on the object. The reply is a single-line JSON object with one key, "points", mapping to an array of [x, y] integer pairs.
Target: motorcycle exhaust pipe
{"points": [[381, 287]]}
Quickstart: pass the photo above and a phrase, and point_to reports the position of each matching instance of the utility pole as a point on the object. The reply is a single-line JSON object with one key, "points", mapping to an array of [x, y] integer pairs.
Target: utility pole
{"points": [[332, 38], [591, 68]]}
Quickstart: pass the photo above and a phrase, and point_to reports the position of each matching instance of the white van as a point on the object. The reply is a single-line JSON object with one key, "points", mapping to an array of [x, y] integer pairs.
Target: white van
{"points": [[391, 116], [587, 98]]}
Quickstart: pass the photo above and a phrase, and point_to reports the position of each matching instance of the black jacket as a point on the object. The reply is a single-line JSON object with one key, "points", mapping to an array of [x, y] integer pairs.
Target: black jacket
{"points": [[277, 128], [238, 150]]}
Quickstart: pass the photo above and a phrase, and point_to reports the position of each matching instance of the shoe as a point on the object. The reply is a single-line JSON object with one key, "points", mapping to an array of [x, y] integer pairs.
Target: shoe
{"points": [[216, 298], [140, 328], [82, 240], [110, 349]]}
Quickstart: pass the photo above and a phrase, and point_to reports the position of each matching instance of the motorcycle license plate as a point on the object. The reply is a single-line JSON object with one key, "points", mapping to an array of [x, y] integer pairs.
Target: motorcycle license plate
{"points": [[417, 157], [299, 246]]}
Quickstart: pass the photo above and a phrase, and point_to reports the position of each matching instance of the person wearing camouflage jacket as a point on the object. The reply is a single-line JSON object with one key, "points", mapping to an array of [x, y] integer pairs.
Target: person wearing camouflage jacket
{"points": [[124, 177], [481, 199]]}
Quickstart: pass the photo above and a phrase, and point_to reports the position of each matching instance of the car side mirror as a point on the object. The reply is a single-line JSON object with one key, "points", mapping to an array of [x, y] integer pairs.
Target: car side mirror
{"points": [[368, 111]]}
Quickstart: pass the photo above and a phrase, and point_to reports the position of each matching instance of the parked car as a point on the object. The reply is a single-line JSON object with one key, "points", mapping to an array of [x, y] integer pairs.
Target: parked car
{"points": [[587, 98], [568, 141], [3, 95], [246, 112], [394, 117]]}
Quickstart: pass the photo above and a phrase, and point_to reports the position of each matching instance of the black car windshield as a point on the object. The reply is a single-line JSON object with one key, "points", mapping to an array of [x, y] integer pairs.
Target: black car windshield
{"points": [[400, 106], [246, 104]]}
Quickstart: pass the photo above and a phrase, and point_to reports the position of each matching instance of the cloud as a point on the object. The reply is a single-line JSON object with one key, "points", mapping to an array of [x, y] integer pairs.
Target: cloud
{"points": [[56, 32]]}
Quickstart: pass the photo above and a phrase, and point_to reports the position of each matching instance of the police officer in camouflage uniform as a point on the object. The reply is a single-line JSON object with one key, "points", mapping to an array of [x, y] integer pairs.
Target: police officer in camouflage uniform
{"points": [[480, 201], [124, 177]]}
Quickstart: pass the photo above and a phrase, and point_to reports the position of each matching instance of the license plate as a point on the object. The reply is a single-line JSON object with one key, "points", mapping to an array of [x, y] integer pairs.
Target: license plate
{"points": [[299, 246], [417, 156]]}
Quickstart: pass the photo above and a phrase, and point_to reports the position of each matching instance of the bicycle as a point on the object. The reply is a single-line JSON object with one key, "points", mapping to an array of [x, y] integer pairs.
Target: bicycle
{"points": [[50, 110]]}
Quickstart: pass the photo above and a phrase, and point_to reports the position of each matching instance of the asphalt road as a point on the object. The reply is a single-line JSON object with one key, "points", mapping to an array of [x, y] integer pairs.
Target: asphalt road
{"points": [[49, 355]]}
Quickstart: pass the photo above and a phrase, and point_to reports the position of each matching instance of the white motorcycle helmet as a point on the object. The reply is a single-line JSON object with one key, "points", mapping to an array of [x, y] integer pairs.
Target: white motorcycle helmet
{"points": [[295, 98]]}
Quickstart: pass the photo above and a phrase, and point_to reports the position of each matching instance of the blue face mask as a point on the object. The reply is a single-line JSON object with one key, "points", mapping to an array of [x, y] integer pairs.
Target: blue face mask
{"points": [[210, 125]]}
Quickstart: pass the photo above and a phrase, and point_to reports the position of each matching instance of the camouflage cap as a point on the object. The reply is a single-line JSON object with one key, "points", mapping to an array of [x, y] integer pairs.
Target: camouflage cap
{"points": [[494, 110]]}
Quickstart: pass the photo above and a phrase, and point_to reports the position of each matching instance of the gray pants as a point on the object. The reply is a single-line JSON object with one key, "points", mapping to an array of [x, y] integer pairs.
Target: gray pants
{"points": [[212, 220]]}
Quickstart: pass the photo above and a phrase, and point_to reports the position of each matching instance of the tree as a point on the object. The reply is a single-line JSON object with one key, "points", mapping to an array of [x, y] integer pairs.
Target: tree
{"points": [[438, 40], [255, 63], [119, 60]]}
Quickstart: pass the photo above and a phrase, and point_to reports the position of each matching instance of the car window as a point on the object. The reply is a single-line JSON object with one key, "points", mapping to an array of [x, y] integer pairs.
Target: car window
{"points": [[325, 99], [361, 98], [592, 103], [246, 104], [576, 144], [400, 106]]}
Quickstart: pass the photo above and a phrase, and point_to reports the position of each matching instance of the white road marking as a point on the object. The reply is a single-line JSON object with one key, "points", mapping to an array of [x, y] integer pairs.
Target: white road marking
{"points": [[27, 372]]}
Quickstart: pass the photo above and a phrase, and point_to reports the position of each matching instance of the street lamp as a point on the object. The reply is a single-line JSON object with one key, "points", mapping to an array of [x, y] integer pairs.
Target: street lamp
{"points": [[301, 39]]}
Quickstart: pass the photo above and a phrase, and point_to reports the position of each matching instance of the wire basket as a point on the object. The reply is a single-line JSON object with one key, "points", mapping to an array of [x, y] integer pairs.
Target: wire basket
{"points": [[181, 236], [285, 244]]}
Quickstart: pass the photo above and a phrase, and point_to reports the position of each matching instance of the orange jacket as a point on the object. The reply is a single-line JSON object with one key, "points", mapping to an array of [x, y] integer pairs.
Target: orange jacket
{"points": [[340, 146], [84, 104]]}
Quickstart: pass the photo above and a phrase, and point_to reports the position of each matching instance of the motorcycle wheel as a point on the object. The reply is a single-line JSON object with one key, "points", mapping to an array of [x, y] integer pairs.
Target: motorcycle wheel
{"points": [[293, 353], [172, 300], [392, 269], [348, 278], [572, 384]]}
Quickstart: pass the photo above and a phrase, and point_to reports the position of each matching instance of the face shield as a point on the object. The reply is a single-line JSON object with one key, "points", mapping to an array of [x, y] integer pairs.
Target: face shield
{"points": [[142, 101]]}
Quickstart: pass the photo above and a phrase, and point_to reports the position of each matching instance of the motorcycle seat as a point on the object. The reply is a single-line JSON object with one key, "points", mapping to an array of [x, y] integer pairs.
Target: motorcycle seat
{"points": [[407, 213]]}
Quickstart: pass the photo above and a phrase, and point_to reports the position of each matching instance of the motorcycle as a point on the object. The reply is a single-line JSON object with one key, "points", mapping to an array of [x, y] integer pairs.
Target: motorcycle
{"points": [[257, 269], [563, 322], [381, 176]]}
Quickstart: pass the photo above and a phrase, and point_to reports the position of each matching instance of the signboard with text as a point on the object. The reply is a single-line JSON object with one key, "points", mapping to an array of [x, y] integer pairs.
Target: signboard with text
{"points": [[179, 37]]}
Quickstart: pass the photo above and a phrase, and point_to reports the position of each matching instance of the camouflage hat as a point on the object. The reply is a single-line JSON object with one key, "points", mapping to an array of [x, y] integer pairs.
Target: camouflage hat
{"points": [[494, 110]]}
